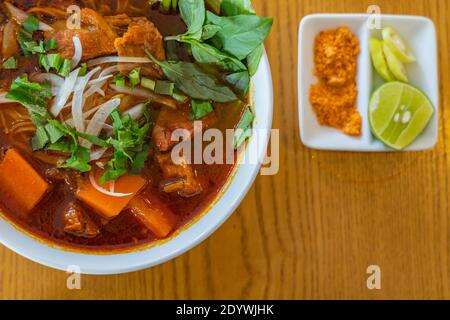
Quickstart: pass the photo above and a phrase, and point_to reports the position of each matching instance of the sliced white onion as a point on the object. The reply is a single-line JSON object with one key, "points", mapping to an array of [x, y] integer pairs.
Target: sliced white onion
{"points": [[100, 80], [98, 120], [136, 112], [108, 71], [78, 101], [78, 54], [64, 93], [137, 92], [20, 16], [116, 59], [112, 186], [91, 82], [104, 191], [98, 154]]}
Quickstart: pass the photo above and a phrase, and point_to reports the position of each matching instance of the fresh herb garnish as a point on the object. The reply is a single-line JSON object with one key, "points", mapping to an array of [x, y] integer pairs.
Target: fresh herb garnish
{"points": [[164, 87], [195, 82], [244, 128], [64, 71], [200, 109], [10, 63], [130, 147], [83, 70]]}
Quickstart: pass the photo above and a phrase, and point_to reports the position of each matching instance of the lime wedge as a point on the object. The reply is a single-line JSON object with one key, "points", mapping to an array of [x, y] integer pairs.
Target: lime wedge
{"points": [[398, 114], [398, 45], [395, 66], [379, 60]]}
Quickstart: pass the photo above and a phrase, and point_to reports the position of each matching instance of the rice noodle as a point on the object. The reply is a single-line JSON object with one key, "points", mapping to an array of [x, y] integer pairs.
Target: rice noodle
{"points": [[116, 59], [78, 100], [98, 120], [136, 112], [104, 191], [20, 16], [78, 52], [64, 93]]}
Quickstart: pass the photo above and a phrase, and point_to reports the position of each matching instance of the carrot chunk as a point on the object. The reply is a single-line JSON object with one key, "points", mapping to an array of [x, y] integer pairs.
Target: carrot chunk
{"points": [[21, 187], [106, 205], [153, 214]]}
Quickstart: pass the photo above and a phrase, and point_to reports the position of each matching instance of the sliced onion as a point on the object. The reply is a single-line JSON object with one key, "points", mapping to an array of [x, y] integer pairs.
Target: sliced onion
{"points": [[64, 94], [104, 191], [98, 154], [78, 52], [100, 80], [116, 59], [20, 16], [136, 112], [98, 120], [78, 101]]}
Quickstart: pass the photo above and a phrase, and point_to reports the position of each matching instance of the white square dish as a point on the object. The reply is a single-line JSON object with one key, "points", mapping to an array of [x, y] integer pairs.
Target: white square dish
{"points": [[420, 33]]}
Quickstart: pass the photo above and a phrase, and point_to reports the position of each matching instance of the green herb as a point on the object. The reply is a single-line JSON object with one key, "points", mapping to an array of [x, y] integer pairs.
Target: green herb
{"points": [[10, 63], [33, 47], [240, 81], [135, 77], [254, 59], [30, 94], [83, 70], [193, 14], [209, 31], [64, 71], [164, 87], [54, 132], [40, 139], [93, 139], [79, 160], [244, 128], [51, 45], [200, 109], [51, 61], [129, 143], [31, 24], [119, 79], [236, 7], [240, 35], [195, 82]]}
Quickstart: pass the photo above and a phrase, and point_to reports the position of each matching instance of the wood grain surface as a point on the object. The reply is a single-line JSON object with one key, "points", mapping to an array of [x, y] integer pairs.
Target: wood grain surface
{"points": [[311, 231]]}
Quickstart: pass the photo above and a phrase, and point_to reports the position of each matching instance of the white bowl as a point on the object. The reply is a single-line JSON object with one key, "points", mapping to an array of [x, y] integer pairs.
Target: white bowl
{"points": [[244, 176], [420, 34]]}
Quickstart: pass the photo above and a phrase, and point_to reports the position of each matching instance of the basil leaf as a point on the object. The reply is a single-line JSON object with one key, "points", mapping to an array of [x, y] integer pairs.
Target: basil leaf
{"points": [[193, 14], [195, 82], [200, 109], [236, 7], [210, 31], [254, 59], [244, 128], [205, 53], [240, 35], [240, 81]]}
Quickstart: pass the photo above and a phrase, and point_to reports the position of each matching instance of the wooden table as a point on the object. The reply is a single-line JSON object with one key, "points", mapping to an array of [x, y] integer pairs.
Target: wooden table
{"points": [[312, 230]]}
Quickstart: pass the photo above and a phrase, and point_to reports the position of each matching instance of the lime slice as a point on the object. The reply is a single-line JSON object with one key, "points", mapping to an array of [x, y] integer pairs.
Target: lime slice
{"points": [[398, 45], [379, 60], [395, 66], [398, 114]]}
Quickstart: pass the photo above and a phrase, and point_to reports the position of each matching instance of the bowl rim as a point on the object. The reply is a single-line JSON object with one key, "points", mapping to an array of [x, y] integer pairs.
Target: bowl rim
{"points": [[57, 257]]}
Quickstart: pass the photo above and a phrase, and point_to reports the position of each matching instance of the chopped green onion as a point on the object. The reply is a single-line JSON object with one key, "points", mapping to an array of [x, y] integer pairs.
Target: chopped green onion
{"points": [[10, 63], [33, 47], [135, 77], [65, 68], [83, 70], [120, 80], [164, 87], [31, 24], [148, 83], [200, 109], [51, 45]]}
